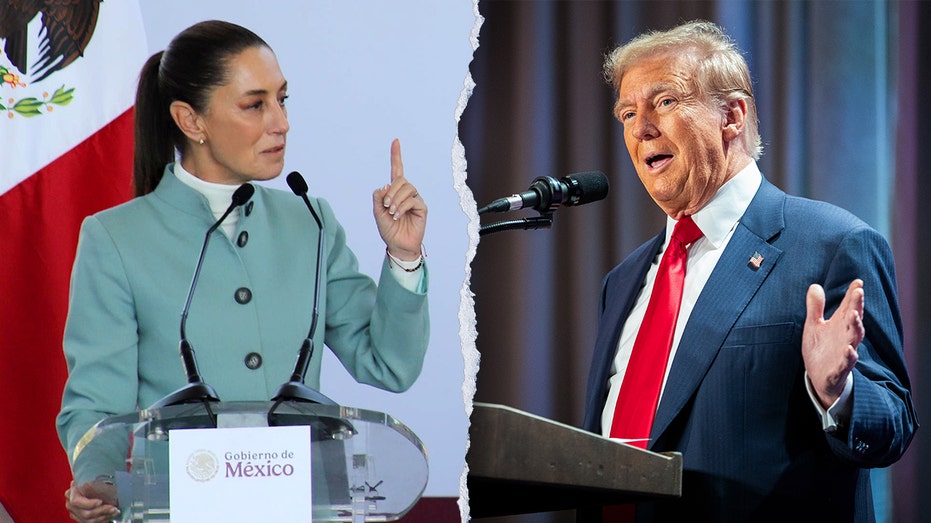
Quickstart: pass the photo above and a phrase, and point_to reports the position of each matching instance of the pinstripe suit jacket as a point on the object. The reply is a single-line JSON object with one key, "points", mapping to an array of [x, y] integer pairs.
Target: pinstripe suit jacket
{"points": [[735, 403]]}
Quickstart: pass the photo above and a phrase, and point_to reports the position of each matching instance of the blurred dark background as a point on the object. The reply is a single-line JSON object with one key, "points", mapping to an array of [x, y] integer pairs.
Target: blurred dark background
{"points": [[839, 87]]}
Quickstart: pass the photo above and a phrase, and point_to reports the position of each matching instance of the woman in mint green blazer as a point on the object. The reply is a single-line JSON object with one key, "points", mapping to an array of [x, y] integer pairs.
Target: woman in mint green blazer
{"points": [[216, 96]]}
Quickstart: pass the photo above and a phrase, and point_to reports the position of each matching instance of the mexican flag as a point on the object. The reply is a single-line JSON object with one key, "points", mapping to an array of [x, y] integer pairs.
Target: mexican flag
{"points": [[68, 72]]}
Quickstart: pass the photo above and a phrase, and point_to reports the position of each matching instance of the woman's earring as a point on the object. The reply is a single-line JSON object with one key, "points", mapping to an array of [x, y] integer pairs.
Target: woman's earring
{"points": [[201, 141]]}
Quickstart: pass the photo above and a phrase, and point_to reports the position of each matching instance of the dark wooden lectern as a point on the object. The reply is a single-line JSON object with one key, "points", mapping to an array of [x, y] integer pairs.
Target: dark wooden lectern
{"points": [[521, 463]]}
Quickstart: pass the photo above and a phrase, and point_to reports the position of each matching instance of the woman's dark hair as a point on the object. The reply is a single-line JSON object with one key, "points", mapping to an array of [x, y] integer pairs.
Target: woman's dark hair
{"points": [[194, 63]]}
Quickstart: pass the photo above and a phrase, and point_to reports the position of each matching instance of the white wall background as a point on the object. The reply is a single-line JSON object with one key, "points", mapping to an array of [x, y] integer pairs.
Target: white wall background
{"points": [[360, 73]]}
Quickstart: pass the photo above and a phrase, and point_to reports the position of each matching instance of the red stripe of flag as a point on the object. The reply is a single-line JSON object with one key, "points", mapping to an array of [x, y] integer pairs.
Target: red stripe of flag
{"points": [[39, 223]]}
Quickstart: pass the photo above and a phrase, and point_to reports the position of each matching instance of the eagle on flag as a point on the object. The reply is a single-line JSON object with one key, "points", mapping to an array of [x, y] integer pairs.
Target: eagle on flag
{"points": [[67, 28]]}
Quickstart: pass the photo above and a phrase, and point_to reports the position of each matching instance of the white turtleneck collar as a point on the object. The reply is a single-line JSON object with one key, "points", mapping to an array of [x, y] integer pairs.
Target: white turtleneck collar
{"points": [[218, 197]]}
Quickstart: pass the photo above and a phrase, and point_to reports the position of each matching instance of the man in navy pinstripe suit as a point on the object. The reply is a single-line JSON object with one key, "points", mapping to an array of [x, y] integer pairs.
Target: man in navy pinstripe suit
{"points": [[786, 379]]}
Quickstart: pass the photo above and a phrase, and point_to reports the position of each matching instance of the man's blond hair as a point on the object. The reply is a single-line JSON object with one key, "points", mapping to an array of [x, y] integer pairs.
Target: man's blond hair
{"points": [[721, 73]]}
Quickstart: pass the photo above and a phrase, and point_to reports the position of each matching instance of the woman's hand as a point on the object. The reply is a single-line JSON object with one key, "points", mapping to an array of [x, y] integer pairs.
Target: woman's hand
{"points": [[92, 509], [400, 212]]}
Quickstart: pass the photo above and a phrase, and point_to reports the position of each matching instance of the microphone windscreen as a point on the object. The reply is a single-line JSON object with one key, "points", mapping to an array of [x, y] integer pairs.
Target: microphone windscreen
{"points": [[242, 194], [297, 184], [591, 186]]}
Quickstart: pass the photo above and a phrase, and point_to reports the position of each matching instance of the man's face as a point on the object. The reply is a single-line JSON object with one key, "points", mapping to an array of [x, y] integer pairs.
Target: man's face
{"points": [[675, 137]]}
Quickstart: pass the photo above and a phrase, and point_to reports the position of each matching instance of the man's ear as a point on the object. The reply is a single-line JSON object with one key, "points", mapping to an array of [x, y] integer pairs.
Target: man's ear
{"points": [[735, 117], [187, 120]]}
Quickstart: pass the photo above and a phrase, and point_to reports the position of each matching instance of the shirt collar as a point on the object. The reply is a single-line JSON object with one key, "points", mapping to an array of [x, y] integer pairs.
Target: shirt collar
{"points": [[720, 215]]}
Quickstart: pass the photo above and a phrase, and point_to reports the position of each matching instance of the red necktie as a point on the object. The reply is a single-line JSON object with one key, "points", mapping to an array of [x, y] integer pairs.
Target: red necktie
{"points": [[639, 394]]}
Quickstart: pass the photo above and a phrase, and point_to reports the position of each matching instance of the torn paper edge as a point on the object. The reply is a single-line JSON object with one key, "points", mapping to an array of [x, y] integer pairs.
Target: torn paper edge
{"points": [[467, 331]]}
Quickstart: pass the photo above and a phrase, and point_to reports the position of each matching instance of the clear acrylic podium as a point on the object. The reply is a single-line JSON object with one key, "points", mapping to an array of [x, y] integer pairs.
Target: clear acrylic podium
{"points": [[366, 465]]}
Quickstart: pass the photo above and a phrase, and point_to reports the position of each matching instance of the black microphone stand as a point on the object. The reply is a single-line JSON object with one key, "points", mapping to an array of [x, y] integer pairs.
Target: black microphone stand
{"points": [[295, 389], [544, 221], [544, 191], [196, 390]]}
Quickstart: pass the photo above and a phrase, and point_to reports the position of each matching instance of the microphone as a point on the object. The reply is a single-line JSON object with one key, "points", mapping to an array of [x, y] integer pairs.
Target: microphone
{"points": [[295, 388], [196, 390], [546, 193]]}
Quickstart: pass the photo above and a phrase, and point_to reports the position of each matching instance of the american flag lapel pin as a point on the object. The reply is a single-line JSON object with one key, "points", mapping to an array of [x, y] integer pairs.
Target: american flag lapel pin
{"points": [[756, 260]]}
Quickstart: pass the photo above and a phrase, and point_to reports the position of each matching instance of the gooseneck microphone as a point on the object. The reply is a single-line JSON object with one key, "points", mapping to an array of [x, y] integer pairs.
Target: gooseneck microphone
{"points": [[546, 193], [295, 389], [196, 390]]}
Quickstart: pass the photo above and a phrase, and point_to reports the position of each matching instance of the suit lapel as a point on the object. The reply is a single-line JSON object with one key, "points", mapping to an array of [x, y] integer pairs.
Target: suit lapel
{"points": [[732, 284], [623, 288], [620, 292]]}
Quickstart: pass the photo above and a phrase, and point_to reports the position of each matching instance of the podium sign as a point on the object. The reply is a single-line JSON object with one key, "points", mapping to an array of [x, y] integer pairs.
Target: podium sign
{"points": [[266, 470], [364, 465]]}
